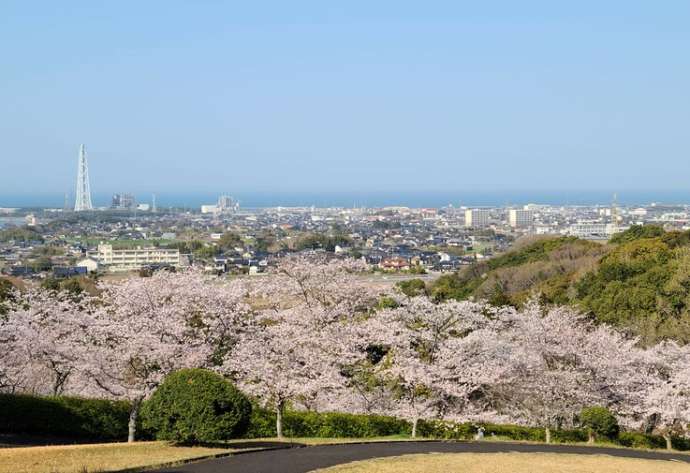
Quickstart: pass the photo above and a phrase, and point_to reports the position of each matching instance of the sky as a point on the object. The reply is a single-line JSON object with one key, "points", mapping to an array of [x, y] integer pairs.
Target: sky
{"points": [[357, 96]]}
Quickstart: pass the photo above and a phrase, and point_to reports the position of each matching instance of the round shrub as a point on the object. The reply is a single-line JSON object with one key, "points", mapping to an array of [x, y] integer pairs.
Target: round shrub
{"points": [[195, 405], [600, 422]]}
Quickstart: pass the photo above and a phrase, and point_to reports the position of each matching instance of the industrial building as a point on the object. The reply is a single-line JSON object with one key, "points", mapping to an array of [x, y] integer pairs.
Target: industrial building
{"points": [[123, 201]]}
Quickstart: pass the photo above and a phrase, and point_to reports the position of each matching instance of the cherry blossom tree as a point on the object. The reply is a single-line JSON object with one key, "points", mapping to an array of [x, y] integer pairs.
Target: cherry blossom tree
{"points": [[668, 398], [311, 334], [561, 363], [145, 328], [39, 334], [14, 365], [434, 358], [279, 363], [304, 334]]}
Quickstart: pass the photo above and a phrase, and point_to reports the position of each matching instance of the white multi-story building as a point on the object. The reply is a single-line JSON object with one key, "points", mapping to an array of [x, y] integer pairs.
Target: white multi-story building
{"points": [[595, 230], [135, 258], [520, 218], [477, 218]]}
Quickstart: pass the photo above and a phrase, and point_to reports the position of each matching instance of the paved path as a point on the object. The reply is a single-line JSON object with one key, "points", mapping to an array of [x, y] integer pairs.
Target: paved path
{"points": [[302, 460]]}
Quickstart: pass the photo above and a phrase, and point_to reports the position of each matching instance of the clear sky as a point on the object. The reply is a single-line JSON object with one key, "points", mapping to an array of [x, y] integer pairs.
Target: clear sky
{"points": [[345, 96]]}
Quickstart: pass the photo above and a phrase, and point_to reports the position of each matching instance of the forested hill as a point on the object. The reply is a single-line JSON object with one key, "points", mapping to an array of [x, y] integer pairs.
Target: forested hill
{"points": [[639, 280]]}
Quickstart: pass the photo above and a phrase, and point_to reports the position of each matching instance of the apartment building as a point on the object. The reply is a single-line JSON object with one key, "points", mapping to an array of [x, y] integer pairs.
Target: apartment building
{"points": [[477, 218], [132, 259], [520, 218]]}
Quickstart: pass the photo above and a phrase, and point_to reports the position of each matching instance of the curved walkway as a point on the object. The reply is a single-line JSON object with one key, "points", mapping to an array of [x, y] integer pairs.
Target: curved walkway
{"points": [[302, 460]]}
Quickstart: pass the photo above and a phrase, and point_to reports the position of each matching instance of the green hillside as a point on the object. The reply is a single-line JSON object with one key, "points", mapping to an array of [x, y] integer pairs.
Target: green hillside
{"points": [[639, 281]]}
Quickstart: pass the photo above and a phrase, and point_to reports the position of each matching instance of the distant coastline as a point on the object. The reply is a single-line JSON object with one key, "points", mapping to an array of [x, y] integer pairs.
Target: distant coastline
{"points": [[371, 199]]}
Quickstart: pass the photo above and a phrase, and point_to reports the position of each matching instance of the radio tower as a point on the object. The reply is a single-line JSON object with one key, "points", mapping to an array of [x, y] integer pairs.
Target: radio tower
{"points": [[83, 189]]}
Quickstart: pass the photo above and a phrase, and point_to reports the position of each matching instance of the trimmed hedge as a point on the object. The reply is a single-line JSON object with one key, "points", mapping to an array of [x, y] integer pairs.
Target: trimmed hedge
{"points": [[196, 405], [94, 419], [467, 431], [327, 424], [640, 440]]}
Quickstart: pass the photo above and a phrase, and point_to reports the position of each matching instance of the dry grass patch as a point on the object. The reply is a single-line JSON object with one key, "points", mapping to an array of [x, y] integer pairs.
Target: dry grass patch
{"points": [[508, 463], [97, 458]]}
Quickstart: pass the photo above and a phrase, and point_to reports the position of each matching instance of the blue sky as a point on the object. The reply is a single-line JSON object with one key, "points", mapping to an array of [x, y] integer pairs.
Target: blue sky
{"points": [[345, 96]]}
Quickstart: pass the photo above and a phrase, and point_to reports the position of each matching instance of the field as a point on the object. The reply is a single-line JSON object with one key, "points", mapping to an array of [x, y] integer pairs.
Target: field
{"points": [[508, 463], [97, 458]]}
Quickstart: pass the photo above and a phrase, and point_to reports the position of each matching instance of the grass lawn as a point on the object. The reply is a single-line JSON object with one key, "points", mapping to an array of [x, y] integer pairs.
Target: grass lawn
{"points": [[507, 463], [96, 458]]}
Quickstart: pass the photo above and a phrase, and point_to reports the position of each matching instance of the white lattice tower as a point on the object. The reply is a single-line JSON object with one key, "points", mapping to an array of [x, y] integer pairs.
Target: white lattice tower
{"points": [[83, 201]]}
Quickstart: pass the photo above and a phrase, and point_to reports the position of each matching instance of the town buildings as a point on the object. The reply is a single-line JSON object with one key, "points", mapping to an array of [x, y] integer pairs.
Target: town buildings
{"points": [[393, 238]]}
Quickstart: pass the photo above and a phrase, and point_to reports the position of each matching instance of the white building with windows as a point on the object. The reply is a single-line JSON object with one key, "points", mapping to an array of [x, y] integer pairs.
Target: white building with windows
{"points": [[595, 230], [520, 218], [477, 218], [133, 259]]}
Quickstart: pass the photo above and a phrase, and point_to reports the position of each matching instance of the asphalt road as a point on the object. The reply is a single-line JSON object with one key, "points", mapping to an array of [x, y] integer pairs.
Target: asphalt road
{"points": [[302, 460]]}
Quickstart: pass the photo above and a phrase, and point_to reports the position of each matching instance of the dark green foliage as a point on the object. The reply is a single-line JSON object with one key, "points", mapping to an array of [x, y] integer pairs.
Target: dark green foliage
{"points": [[640, 440], [329, 424], [637, 232], [641, 284], [467, 431], [20, 234], [544, 257], [600, 421], [42, 263], [386, 302], [412, 287], [6, 294], [195, 405], [93, 419], [315, 241], [71, 285], [676, 239], [229, 241], [536, 251]]}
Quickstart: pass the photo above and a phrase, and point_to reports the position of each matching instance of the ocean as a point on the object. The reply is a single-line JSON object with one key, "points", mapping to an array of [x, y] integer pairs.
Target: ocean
{"points": [[373, 198]]}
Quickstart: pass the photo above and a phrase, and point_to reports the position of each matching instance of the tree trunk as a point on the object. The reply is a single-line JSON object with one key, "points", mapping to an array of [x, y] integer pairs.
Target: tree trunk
{"points": [[279, 419], [414, 427], [669, 445], [590, 436], [547, 431], [133, 414]]}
